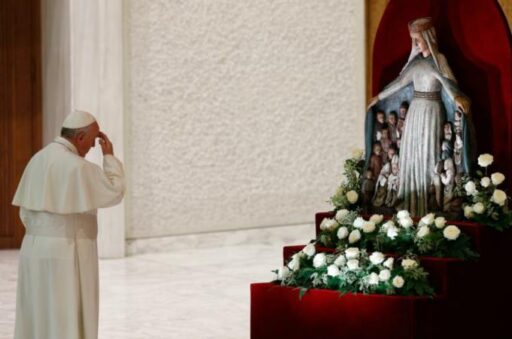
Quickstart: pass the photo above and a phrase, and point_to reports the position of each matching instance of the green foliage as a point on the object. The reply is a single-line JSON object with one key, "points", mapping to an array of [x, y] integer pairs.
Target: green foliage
{"points": [[352, 171]]}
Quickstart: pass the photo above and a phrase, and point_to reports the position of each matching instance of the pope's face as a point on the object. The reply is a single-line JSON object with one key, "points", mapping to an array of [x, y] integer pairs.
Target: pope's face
{"points": [[420, 43], [87, 140]]}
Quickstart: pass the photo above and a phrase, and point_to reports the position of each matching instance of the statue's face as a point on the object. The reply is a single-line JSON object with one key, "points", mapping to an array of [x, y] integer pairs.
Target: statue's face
{"points": [[392, 119], [380, 117], [403, 112], [420, 43]]}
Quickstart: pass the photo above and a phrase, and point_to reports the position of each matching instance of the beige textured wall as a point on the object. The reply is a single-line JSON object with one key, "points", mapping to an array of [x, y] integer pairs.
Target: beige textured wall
{"points": [[239, 112]]}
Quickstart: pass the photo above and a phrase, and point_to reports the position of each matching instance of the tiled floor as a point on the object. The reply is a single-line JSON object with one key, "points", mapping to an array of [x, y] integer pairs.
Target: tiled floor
{"points": [[187, 293]]}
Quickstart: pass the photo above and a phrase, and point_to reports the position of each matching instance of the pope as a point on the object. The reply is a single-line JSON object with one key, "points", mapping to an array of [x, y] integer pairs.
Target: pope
{"points": [[59, 195]]}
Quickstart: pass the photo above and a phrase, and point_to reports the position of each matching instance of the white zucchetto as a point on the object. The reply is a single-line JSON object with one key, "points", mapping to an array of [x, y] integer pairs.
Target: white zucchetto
{"points": [[78, 119]]}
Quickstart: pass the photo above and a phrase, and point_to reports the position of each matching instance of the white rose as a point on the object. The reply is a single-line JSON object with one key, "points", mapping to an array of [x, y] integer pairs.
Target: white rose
{"points": [[376, 258], [319, 260], [354, 236], [497, 178], [423, 231], [388, 224], [333, 271], [328, 224], [499, 197], [373, 279], [353, 264], [359, 222], [357, 153], [389, 263], [340, 261], [377, 218], [283, 273], [368, 227], [384, 275], [352, 197], [468, 211], [392, 233], [402, 214], [341, 214], [451, 232], [479, 208], [485, 182], [406, 222], [294, 264], [470, 188], [440, 222], [398, 281], [352, 253], [309, 250], [408, 264], [485, 160], [428, 219], [342, 232]]}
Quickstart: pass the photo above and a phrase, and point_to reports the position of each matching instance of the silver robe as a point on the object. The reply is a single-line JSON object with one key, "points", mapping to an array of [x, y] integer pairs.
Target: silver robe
{"points": [[421, 142]]}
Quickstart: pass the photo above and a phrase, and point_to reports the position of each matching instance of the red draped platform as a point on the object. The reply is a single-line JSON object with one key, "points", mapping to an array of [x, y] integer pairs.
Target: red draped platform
{"points": [[473, 299]]}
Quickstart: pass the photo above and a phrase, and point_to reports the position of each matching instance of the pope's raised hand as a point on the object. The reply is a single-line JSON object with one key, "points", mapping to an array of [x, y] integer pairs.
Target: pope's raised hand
{"points": [[106, 144]]}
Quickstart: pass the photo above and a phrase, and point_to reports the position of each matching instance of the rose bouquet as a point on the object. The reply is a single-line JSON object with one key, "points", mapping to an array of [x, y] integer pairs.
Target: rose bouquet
{"points": [[485, 202], [348, 194], [354, 270]]}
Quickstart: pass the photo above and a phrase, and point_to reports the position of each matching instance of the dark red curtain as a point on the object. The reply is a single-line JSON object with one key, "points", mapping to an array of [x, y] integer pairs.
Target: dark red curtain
{"points": [[476, 40]]}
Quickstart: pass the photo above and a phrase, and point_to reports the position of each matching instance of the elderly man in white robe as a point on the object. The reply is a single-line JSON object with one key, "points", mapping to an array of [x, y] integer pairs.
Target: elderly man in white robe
{"points": [[58, 196]]}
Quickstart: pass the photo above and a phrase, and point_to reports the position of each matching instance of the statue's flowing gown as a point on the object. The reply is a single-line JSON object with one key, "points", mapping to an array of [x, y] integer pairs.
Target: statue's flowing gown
{"points": [[421, 142]]}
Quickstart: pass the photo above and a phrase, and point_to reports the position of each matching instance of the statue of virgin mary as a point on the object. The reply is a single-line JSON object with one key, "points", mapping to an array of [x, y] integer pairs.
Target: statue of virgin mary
{"points": [[428, 84]]}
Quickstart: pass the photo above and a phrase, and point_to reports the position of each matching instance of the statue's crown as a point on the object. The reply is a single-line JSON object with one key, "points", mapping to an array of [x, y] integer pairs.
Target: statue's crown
{"points": [[420, 25]]}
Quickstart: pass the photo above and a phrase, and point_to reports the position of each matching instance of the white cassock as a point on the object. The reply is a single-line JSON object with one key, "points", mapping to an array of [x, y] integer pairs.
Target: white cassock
{"points": [[58, 195]]}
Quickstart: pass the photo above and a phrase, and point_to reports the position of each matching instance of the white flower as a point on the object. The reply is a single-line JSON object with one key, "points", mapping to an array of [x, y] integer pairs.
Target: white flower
{"points": [[485, 182], [283, 273], [468, 211], [388, 224], [373, 279], [389, 263], [328, 224], [319, 260], [359, 222], [357, 153], [402, 214], [309, 250], [333, 271], [428, 219], [368, 227], [499, 197], [340, 261], [352, 253], [354, 236], [479, 208], [406, 222], [470, 188], [497, 178], [423, 231], [485, 160], [353, 264], [342, 232], [408, 264], [384, 275], [352, 197], [440, 222], [377, 218], [376, 258], [392, 232], [451, 232], [294, 264], [341, 214], [398, 281]]}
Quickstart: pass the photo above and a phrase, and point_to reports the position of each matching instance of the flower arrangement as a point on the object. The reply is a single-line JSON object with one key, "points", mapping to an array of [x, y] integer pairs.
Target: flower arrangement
{"points": [[354, 270], [348, 194], [430, 236], [485, 202]]}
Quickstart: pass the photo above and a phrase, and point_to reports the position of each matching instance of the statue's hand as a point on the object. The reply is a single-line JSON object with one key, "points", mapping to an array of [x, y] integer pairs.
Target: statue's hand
{"points": [[463, 104], [373, 102]]}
